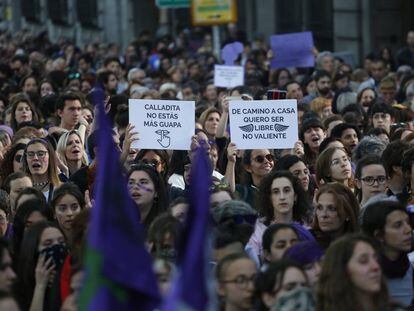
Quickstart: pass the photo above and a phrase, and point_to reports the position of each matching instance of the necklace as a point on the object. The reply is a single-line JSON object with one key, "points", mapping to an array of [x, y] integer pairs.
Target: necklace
{"points": [[41, 185]]}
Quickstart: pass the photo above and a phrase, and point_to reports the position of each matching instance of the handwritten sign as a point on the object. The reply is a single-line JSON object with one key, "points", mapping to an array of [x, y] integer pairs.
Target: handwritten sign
{"points": [[264, 124], [162, 124], [292, 50], [228, 76]]}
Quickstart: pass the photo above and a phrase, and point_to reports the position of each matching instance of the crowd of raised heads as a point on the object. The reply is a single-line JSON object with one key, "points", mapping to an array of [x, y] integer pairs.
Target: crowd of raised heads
{"points": [[326, 225]]}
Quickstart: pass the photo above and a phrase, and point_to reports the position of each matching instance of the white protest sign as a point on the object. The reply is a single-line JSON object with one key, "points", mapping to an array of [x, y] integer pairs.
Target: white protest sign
{"points": [[162, 124], [264, 124], [228, 76]]}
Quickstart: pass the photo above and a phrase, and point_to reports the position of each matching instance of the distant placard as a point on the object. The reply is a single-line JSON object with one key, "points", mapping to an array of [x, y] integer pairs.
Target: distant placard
{"points": [[162, 124], [292, 50], [264, 124], [228, 76], [213, 12]]}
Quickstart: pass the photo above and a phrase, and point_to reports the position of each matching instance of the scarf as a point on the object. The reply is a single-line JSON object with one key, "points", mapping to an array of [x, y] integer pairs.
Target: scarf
{"points": [[395, 269]]}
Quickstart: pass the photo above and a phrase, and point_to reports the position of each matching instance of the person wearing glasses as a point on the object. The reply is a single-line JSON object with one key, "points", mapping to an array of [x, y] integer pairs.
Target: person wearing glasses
{"points": [[280, 200], [236, 274], [40, 163], [257, 164], [156, 158], [334, 165], [370, 178]]}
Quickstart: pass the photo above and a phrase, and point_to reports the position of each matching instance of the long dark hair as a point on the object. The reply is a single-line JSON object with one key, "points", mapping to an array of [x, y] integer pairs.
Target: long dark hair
{"points": [[6, 166], [342, 295], [264, 202], [271, 279], [29, 255], [160, 203], [161, 153], [19, 222]]}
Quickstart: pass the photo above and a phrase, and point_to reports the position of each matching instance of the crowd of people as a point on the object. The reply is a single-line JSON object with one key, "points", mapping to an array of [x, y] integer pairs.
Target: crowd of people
{"points": [[326, 225]]}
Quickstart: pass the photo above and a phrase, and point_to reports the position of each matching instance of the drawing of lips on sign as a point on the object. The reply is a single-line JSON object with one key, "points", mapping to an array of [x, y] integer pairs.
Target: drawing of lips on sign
{"points": [[264, 127]]}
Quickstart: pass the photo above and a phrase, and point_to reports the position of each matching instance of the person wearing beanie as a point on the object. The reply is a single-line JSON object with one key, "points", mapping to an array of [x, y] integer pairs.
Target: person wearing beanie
{"points": [[312, 134]]}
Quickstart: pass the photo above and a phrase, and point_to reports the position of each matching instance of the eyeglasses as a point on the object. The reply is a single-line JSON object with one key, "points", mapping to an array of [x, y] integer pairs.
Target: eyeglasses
{"points": [[242, 281], [18, 158], [260, 159], [40, 154], [370, 180]]}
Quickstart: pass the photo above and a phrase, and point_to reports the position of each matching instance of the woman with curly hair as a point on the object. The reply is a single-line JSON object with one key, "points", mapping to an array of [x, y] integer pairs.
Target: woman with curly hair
{"points": [[281, 200]]}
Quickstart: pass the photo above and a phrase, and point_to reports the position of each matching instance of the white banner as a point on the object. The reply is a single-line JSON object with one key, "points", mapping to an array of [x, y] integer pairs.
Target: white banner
{"points": [[228, 76], [162, 124], [264, 124]]}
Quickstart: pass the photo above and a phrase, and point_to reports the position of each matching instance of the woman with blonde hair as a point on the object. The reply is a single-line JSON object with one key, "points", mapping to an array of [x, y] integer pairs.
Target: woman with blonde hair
{"points": [[71, 152]]}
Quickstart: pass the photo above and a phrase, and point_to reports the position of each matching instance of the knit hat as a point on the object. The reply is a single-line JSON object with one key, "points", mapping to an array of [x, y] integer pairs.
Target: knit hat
{"points": [[7, 129], [305, 252], [309, 123], [231, 209]]}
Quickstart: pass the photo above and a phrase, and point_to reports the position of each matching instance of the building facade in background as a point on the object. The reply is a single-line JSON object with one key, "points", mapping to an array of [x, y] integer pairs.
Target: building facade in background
{"points": [[354, 27]]}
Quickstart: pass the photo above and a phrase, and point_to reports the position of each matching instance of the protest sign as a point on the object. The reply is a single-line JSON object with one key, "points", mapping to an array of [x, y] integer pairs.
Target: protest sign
{"points": [[264, 124], [228, 76], [292, 50], [162, 124], [231, 52]]}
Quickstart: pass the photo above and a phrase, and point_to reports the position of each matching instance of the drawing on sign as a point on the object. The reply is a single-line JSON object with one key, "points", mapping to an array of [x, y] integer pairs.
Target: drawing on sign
{"points": [[164, 139], [277, 128]]}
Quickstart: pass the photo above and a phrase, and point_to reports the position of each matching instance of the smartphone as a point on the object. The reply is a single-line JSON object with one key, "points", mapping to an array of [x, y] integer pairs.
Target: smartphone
{"points": [[276, 94]]}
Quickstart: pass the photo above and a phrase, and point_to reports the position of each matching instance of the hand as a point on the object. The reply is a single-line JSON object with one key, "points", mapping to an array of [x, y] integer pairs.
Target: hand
{"points": [[232, 152], [298, 149], [88, 201], [44, 270], [130, 137], [225, 104], [61, 166]]}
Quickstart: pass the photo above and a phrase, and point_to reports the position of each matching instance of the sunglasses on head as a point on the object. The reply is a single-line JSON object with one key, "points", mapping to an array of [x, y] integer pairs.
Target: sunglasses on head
{"points": [[152, 162], [260, 159]]}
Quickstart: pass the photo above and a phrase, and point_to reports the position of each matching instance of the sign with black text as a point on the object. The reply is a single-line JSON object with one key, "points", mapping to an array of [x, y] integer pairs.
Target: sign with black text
{"points": [[228, 76], [264, 124], [162, 124]]}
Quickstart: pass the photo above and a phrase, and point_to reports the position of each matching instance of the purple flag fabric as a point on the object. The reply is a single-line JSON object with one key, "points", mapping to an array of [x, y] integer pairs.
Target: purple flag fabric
{"points": [[191, 288], [119, 273], [230, 52], [292, 50]]}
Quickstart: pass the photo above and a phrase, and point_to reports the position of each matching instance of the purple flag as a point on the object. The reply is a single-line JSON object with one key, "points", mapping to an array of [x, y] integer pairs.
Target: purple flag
{"points": [[230, 52], [292, 50], [191, 288], [119, 273]]}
